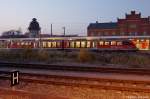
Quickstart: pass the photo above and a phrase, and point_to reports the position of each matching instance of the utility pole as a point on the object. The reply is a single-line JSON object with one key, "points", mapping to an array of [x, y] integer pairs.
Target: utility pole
{"points": [[51, 29], [64, 30]]}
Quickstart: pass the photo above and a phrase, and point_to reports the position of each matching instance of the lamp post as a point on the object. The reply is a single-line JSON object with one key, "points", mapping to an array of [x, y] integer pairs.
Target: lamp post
{"points": [[64, 28], [51, 29]]}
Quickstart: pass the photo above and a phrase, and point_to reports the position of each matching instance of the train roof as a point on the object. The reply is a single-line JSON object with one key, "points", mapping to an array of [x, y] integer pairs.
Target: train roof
{"points": [[81, 37]]}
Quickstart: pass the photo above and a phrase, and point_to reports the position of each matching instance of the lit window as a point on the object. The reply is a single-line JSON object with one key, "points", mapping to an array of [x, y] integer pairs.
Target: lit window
{"points": [[67, 44], [44, 44], [78, 44], [49, 44], [113, 42], [113, 33], [72, 45], [83, 44], [88, 44], [133, 26], [119, 43], [101, 43], [26, 43], [147, 41], [106, 43], [58, 44], [54, 44]]}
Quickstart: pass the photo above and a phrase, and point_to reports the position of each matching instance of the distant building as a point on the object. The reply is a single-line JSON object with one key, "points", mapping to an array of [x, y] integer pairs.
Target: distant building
{"points": [[12, 34], [34, 28], [132, 25]]}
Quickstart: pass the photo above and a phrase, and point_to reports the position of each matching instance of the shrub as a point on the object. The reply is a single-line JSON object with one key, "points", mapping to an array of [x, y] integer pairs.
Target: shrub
{"points": [[85, 56]]}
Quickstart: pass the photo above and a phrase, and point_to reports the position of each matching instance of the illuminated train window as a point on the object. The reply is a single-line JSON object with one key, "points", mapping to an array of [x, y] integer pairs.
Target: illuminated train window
{"points": [[106, 43], [88, 44], [77, 44], [119, 43], [49, 45], [54, 44], [113, 42], [72, 44], [58, 44], [22, 43], [101, 43], [44, 44], [83, 44], [67, 44]]}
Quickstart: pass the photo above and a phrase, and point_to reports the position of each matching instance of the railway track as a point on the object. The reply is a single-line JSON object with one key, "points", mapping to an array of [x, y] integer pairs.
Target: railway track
{"points": [[96, 83], [101, 69], [79, 81]]}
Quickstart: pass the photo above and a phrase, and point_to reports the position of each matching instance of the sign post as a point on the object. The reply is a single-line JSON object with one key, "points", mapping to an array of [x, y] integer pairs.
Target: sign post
{"points": [[14, 78]]}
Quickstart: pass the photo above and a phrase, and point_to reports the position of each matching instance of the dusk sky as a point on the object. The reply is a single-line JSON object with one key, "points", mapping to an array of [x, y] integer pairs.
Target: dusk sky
{"points": [[74, 14]]}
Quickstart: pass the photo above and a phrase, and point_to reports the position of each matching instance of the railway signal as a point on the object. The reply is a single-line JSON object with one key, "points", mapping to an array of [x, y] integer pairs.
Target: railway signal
{"points": [[14, 78]]}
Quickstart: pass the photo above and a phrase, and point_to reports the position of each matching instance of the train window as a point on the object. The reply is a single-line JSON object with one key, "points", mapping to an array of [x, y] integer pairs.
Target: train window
{"points": [[113, 42], [147, 41], [18, 43], [77, 44], [119, 43], [101, 43], [26, 43], [72, 45], [44, 44], [94, 44], [49, 44], [106, 43], [67, 44], [83, 44], [88, 44], [58, 44], [22, 43], [54, 44], [142, 40]]}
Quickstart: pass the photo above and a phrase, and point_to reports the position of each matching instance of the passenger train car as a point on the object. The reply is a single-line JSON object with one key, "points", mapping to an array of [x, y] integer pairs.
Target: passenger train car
{"points": [[91, 43]]}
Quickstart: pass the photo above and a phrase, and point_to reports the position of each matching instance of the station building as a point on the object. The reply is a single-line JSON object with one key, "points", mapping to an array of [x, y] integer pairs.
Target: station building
{"points": [[132, 25]]}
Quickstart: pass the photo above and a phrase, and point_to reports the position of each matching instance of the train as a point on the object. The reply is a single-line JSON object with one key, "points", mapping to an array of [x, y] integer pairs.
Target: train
{"points": [[75, 43]]}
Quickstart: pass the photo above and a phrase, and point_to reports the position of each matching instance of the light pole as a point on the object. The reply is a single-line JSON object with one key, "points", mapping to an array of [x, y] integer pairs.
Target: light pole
{"points": [[51, 29], [64, 28]]}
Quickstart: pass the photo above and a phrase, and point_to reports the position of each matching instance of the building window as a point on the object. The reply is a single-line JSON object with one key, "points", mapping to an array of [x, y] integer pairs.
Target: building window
{"points": [[122, 33], [113, 33], [44, 44], [133, 26], [145, 33], [54, 44]]}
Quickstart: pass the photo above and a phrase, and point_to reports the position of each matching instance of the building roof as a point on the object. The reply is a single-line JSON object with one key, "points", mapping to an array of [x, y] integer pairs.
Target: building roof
{"points": [[110, 25]]}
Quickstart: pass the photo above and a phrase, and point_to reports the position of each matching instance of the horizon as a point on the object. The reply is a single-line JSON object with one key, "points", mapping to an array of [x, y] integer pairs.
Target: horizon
{"points": [[74, 15]]}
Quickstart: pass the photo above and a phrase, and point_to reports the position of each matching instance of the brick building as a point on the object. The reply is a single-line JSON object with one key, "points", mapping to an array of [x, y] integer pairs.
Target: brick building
{"points": [[132, 25]]}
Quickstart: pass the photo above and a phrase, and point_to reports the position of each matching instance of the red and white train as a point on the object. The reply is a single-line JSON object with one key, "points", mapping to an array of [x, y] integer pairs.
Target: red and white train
{"points": [[92, 43]]}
